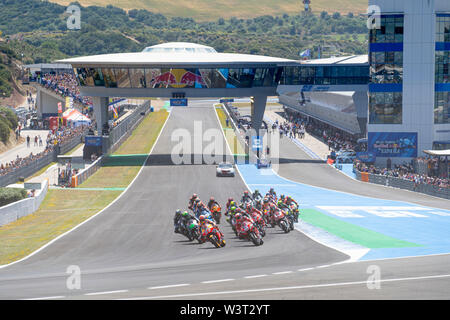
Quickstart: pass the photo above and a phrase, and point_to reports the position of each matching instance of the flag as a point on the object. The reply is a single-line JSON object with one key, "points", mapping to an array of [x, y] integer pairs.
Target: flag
{"points": [[115, 113], [305, 54]]}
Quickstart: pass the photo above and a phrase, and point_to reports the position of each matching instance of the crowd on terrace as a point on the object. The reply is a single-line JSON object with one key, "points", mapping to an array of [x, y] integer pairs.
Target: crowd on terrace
{"points": [[66, 85]]}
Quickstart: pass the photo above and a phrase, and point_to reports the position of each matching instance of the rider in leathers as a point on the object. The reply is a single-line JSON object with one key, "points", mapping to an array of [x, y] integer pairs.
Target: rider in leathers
{"points": [[212, 202], [202, 225]]}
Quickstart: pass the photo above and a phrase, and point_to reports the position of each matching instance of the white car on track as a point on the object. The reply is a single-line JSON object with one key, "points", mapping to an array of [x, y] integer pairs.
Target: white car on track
{"points": [[225, 169]]}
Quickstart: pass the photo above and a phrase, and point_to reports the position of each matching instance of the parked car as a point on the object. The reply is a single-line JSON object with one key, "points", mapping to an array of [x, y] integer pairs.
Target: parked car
{"points": [[225, 169]]}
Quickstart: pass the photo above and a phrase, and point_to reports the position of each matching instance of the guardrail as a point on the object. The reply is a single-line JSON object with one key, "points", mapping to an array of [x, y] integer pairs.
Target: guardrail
{"points": [[123, 130], [403, 184], [83, 175], [38, 164]]}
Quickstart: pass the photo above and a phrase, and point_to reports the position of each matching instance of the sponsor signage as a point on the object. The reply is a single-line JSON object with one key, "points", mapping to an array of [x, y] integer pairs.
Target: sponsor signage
{"points": [[226, 100], [393, 144], [93, 141], [178, 102], [366, 156], [257, 143]]}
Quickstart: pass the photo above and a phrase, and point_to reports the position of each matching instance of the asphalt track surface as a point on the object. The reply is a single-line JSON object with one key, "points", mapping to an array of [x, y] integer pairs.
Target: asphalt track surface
{"points": [[129, 251]]}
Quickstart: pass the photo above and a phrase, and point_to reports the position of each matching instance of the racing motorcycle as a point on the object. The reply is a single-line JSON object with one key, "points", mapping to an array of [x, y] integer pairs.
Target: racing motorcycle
{"points": [[295, 211], [193, 230], [216, 213], [251, 232], [279, 219], [260, 223], [213, 235]]}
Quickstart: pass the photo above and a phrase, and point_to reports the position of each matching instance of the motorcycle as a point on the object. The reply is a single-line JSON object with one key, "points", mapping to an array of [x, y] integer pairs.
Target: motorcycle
{"points": [[279, 219], [251, 232], [260, 223], [295, 211], [193, 230], [212, 234], [216, 212]]}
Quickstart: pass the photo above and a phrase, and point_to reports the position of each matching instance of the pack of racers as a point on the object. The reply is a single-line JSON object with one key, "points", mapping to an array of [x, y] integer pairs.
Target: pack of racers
{"points": [[254, 209]]}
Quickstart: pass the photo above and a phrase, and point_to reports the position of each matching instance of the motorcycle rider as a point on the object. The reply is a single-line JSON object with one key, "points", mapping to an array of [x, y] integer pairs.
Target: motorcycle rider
{"points": [[192, 200], [176, 221], [240, 219], [256, 195], [212, 202], [246, 197], [229, 204], [203, 221], [272, 193], [290, 200]]}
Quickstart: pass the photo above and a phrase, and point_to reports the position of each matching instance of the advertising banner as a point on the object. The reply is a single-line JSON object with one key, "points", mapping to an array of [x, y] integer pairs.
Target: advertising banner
{"points": [[178, 102], [393, 144], [256, 143], [93, 141], [366, 156]]}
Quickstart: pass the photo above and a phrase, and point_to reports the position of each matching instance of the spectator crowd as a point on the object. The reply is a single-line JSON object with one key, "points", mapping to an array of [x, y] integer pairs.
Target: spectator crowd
{"points": [[408, 171], [66, 85], [53, 140]]}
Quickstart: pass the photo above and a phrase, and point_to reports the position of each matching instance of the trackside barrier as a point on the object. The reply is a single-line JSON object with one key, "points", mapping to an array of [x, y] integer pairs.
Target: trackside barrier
{"points": [[403, 184], [125, 128], [84, 174], [22, 208], [37, 164]]}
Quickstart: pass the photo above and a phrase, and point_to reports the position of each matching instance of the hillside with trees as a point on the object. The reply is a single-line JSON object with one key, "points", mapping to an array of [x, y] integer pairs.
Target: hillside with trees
{"points": [[38, 30]]}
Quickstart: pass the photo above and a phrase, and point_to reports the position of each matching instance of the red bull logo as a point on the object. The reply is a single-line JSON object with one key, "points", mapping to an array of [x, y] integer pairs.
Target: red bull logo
{"points": [[178, 78]]}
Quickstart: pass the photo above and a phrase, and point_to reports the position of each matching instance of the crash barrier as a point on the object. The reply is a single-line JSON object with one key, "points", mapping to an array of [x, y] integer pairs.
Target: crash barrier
{"points": [[84, 174], [403, 184], [37, 164], [19, 209], [123, 130]]}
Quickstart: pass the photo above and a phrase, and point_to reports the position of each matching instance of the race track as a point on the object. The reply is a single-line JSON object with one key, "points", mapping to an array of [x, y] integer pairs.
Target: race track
{"points": [[129, 250]]}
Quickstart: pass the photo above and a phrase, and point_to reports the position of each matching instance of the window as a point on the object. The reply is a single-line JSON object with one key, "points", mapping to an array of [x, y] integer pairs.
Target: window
{"points": [[442, 107], [137, 78], [385, 108], [123, 78], [109, 77]]}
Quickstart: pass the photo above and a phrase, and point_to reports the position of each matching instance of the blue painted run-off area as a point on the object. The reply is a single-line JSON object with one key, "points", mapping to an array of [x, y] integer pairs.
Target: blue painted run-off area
{"points": [[427, 227]]}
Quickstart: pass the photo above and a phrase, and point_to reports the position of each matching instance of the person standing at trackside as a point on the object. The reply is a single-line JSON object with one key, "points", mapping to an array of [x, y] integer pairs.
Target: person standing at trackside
{"points": [[28, 141], [227, 121]]}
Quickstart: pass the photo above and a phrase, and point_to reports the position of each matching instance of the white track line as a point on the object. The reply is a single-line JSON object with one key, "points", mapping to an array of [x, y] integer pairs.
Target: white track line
{"points": [[325, 285], [216, 281], [282, 272], [256, 276], [105, 292], [101, 211], [47, 298], [305, 269], [169, 286]]}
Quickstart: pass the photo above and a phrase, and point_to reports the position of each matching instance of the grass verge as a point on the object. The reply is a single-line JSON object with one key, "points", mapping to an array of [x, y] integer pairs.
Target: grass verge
{"points": [[230, 135], [63, 209]]}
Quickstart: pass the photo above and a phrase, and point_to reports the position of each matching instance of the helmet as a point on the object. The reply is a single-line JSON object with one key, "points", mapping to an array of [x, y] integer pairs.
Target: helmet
{"points": [[282, 196], [194, 195], [230, 199], [271, 190], [178, 211], [185, 214], [202, 218], [238, 216], [232, 208], [249, 206], [211, 199], [197, 200], [246, 192], [232, 203], [266, 200]]}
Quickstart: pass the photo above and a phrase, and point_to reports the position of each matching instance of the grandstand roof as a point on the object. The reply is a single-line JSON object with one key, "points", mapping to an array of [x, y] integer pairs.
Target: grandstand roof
{"points": [[360, 59], [176, 53]]}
